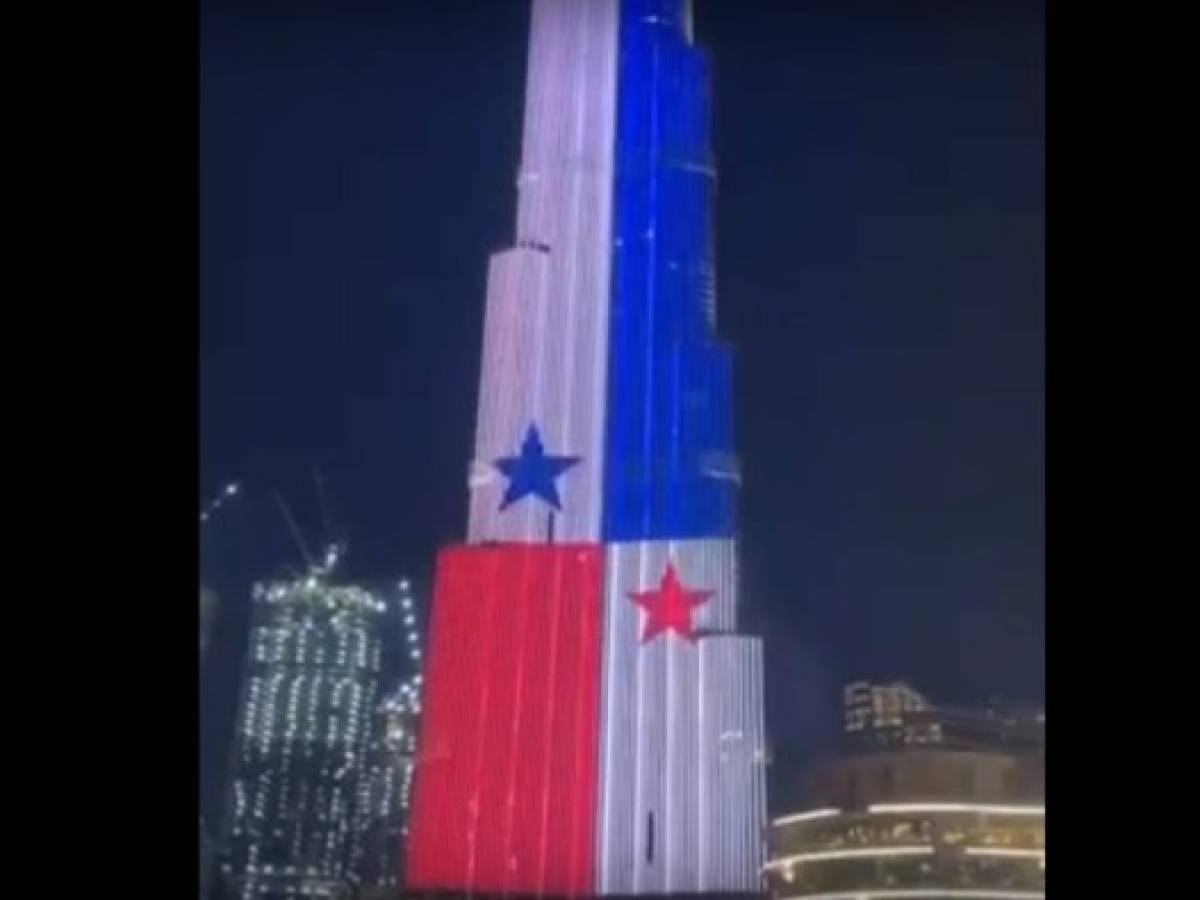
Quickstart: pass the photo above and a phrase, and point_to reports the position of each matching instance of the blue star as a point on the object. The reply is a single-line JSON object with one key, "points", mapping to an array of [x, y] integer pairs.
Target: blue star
{"points": [[533, 472]]}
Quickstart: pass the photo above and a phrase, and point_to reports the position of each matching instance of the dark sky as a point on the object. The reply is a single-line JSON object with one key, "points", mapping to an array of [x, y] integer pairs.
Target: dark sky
{"points": [[880, 273]]}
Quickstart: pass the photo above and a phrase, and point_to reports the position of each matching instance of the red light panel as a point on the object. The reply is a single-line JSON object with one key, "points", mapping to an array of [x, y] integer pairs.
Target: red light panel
{"points": [[506, 779]]}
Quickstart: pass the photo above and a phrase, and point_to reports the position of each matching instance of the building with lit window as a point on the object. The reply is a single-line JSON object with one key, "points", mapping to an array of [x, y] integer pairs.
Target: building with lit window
{"points": [[929, 806], [303, 741], [896, 715], [387, 790]]}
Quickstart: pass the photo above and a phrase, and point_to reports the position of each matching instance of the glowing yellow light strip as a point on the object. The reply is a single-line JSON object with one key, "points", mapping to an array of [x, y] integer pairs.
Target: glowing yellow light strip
{"points": [[851, 853], [1009, 852], [808, 816], [982, 808], [979, 894]]}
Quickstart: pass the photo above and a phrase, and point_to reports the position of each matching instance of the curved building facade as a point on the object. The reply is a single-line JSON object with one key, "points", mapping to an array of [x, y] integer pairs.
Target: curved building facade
{"points": [[918, 823]]}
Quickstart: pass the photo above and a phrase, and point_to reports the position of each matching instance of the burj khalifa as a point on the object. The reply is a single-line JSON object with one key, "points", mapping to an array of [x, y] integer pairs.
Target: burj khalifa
{"points": [[593, 717]]}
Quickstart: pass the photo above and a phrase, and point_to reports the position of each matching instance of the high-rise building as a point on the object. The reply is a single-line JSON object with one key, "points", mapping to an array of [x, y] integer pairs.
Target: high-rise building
{"points": [[920, 805], [593, 721], [387, 790], [303, 740]]}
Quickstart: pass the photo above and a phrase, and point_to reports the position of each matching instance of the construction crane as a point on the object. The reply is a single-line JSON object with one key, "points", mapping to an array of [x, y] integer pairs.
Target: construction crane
{"points": [[335, 546]]}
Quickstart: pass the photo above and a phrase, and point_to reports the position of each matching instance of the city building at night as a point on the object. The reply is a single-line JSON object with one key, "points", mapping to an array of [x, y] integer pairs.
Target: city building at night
{"points": [[883, 714], [387, 790], [940, 815], [896, 715], [303, 741], [995, 726], [593, 718]]}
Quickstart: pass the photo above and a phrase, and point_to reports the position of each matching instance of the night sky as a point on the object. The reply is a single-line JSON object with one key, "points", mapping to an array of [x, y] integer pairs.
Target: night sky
{"points": [[880, 265]]}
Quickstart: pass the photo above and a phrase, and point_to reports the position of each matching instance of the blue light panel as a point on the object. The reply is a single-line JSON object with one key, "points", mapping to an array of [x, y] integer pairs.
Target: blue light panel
{"points": [[670, 467]]}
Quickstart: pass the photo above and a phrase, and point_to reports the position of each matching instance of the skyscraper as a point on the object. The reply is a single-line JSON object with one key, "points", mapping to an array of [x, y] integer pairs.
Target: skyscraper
{"points": [[385, 797], [593, 719], [303, 735]]}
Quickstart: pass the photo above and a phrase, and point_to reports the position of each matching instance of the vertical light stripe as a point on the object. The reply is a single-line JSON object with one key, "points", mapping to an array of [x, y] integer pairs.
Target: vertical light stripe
{"points": [[639, 833], [733, 745], [547, 724]]}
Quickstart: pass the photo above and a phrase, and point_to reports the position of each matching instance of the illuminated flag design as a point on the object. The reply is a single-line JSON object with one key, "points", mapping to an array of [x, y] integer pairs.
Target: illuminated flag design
{"points": [[681, 804], [545, 339], [507, 775], [669, 607], [593, 720], [532, 473]]}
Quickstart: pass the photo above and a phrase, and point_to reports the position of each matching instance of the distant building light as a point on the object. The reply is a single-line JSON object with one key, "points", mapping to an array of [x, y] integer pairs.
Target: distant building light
{"points": [[922, 893], [980, 808], [808, 816], [1007, 852], [851, 853]]}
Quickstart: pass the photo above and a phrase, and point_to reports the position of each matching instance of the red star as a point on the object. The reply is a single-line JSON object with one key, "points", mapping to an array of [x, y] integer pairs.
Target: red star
{"points": [[670, 607]]}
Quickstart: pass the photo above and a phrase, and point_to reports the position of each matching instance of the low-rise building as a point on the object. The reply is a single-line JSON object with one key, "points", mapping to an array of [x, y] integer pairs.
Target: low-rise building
{"points": [[918, 811]]}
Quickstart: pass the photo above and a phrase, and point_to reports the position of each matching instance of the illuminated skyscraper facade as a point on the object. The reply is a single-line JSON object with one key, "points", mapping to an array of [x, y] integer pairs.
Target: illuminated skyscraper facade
{"points": [[386, 793], [593, 718], [303, 740]]}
